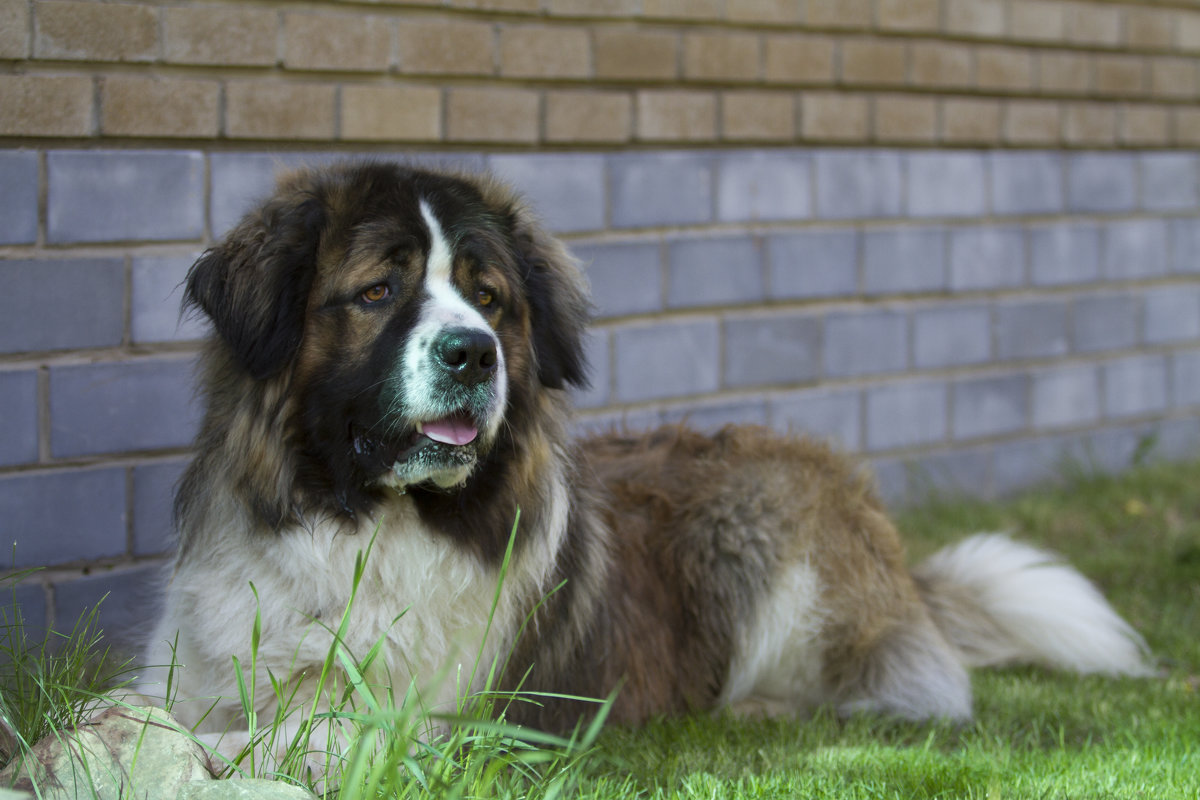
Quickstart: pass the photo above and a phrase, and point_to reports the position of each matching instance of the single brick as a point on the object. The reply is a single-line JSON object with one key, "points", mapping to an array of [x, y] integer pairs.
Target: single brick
{"points": [[990, 406], [940, 64], [676, 116], [758, 116], [277, 110], [1135, 249], [839, 13], [1106, 322], [903, 119], [694, 10], [1101, 182], [1185, 126], [904, 260], [18, 417], [1026, 183], [1120, 75], [906, 414], [95, 31], [1064, 72], [1172, 314], [859, 184], [1037, 19], [1178, 439], [768, 12], [1064, 253], [558, 53], [1185, 245], [774, 350], [240, 179], [220, 35], [46, 105], [1185, 378], [597, 349], [1032, 462], [391, 113], [986, 258], [1005, 69], [625, 277], [666, 359], [798, 59], [340, 42], [446, 48], [951, 336], [1170, 181], [946, 184], [14, 29], [834, 414], [1065, 397], [714, 270], [156, 310], [19, 200], [975, 17], [1093, 24], [1145, 126], [934, 477], [813, 263], [711, 416], [891, 479], [764, 185], [1174, 78], [125, 601], [971, 121], [1090, 125], [661, 189], [117, 195], [834, 117], [122, 406], [566, 190], [1135, 385], [1032, 122], [1150, 28], [589, 116], [90, 315], [153, 495], [492, 115], [721, 56], [873, 61], [30, 607], [1032, 329], [865, 343], [908, 15], [628, 54], [136, 106], [59, 517]]}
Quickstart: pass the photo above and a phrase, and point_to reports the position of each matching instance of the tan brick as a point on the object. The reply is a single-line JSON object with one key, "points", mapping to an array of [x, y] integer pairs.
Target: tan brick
{"points": [[1004, 68], [905, 118], [1066, 73], [975, 17], [676, 116], [1174, 78], [589, 117], [971, 121], [834, 116], [839, 13], [277, 110], [1187, 30], [940, 65], [1145, 126], [725, 56], [1119, 75], [683, 9], [224, 35], [45, 105], [873, 61], [1185, 126], [1149, 27], [628, 54], [1032, 122], [768, 12], [1038, 20], [758, 116], [798, 59], [908, 15], [446, 47], [1090, 124], [1093, 23], [14, 29], [391, 113], [537, 52], [95, 31], [492, 115], [519, 6], [169, 107], [336, 42], [593, 8]]}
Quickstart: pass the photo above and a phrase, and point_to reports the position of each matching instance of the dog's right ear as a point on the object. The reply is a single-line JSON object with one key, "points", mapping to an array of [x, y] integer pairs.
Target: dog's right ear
{"points": [[254, 285]]}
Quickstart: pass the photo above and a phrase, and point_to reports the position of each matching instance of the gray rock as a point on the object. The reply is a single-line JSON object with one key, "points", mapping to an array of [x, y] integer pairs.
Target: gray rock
{"points": [[242, 789]]}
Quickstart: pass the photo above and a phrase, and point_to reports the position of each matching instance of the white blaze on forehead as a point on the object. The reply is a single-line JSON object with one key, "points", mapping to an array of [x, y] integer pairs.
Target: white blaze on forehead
{"points": [[440, 264]]}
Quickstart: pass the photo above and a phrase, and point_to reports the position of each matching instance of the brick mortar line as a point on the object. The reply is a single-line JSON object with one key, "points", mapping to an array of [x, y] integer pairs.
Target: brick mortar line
{"points": [[101, 461], [47, 576]]}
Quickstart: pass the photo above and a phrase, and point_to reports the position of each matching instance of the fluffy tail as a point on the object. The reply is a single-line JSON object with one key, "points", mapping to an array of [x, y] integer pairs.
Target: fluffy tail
{"points": [[999, 601]]}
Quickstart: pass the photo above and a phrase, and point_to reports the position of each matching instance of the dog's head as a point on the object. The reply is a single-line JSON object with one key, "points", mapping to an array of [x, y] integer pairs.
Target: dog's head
{"points": [[408, 316]]}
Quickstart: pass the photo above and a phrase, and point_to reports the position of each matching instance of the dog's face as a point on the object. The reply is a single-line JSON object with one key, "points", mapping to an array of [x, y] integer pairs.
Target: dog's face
{"points": [[411, 315]]}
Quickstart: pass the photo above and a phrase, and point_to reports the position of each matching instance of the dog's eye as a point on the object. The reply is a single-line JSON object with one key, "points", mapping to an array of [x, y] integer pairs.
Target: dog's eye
{"points": [[485, 297], [378, 292]]}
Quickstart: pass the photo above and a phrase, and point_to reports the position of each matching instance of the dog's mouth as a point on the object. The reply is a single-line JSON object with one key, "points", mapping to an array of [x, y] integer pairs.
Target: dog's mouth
{"points": [[439, 451], [456, 430]]}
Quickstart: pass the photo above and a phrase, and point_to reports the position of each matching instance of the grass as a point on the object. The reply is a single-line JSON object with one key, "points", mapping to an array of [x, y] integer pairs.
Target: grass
{"points": [[1036, 734]]}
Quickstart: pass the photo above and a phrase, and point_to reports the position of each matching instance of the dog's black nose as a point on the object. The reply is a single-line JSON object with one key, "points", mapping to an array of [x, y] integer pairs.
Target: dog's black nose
{"points": [[469, 354]]}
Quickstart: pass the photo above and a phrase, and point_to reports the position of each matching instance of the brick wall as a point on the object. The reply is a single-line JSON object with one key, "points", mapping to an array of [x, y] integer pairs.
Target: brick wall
{"points": [[960, 237]]}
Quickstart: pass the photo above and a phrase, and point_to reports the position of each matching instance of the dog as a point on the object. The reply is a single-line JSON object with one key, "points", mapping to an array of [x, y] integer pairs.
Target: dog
{"points": [[390, 366]]}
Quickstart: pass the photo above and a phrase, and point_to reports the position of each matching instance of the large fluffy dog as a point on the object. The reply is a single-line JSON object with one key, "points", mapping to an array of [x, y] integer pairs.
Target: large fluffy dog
{"points": [[391, 355]]}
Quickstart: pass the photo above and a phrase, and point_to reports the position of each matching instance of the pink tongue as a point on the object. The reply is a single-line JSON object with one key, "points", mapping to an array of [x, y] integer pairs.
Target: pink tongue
{"points": [[451, 430]]}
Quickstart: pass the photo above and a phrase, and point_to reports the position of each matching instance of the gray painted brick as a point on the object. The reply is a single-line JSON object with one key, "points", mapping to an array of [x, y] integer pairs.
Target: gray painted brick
{"points": [[125, 601], [1135, 249], [29, 600], [946, 184], [904, 260], [627, 421], [597, 347], [117, 195], [1172, 314], [123, 406], [858, 184], [153, 496], [240, 179], [768, 185], [18, 417], [865, 342], [19, 200], [60, 517], [711, 417], [1106, 322], [1019, 465], [716, 270], [906, 414], [891, 479], [91, 314], [1032, 329], [1101, 182], [1185, 378], [1170, 181], [661, 189], [990, 406], [940, 476], [1065, 396], [1179, 439], [566, 190], [772, 350], [1135, 385], [950, 336], [626, 277], [1185, 245], [1064, 253], [666, 359], [986, 258], [815, 263], [1026, 183], [833, 414], [157, 297]]}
